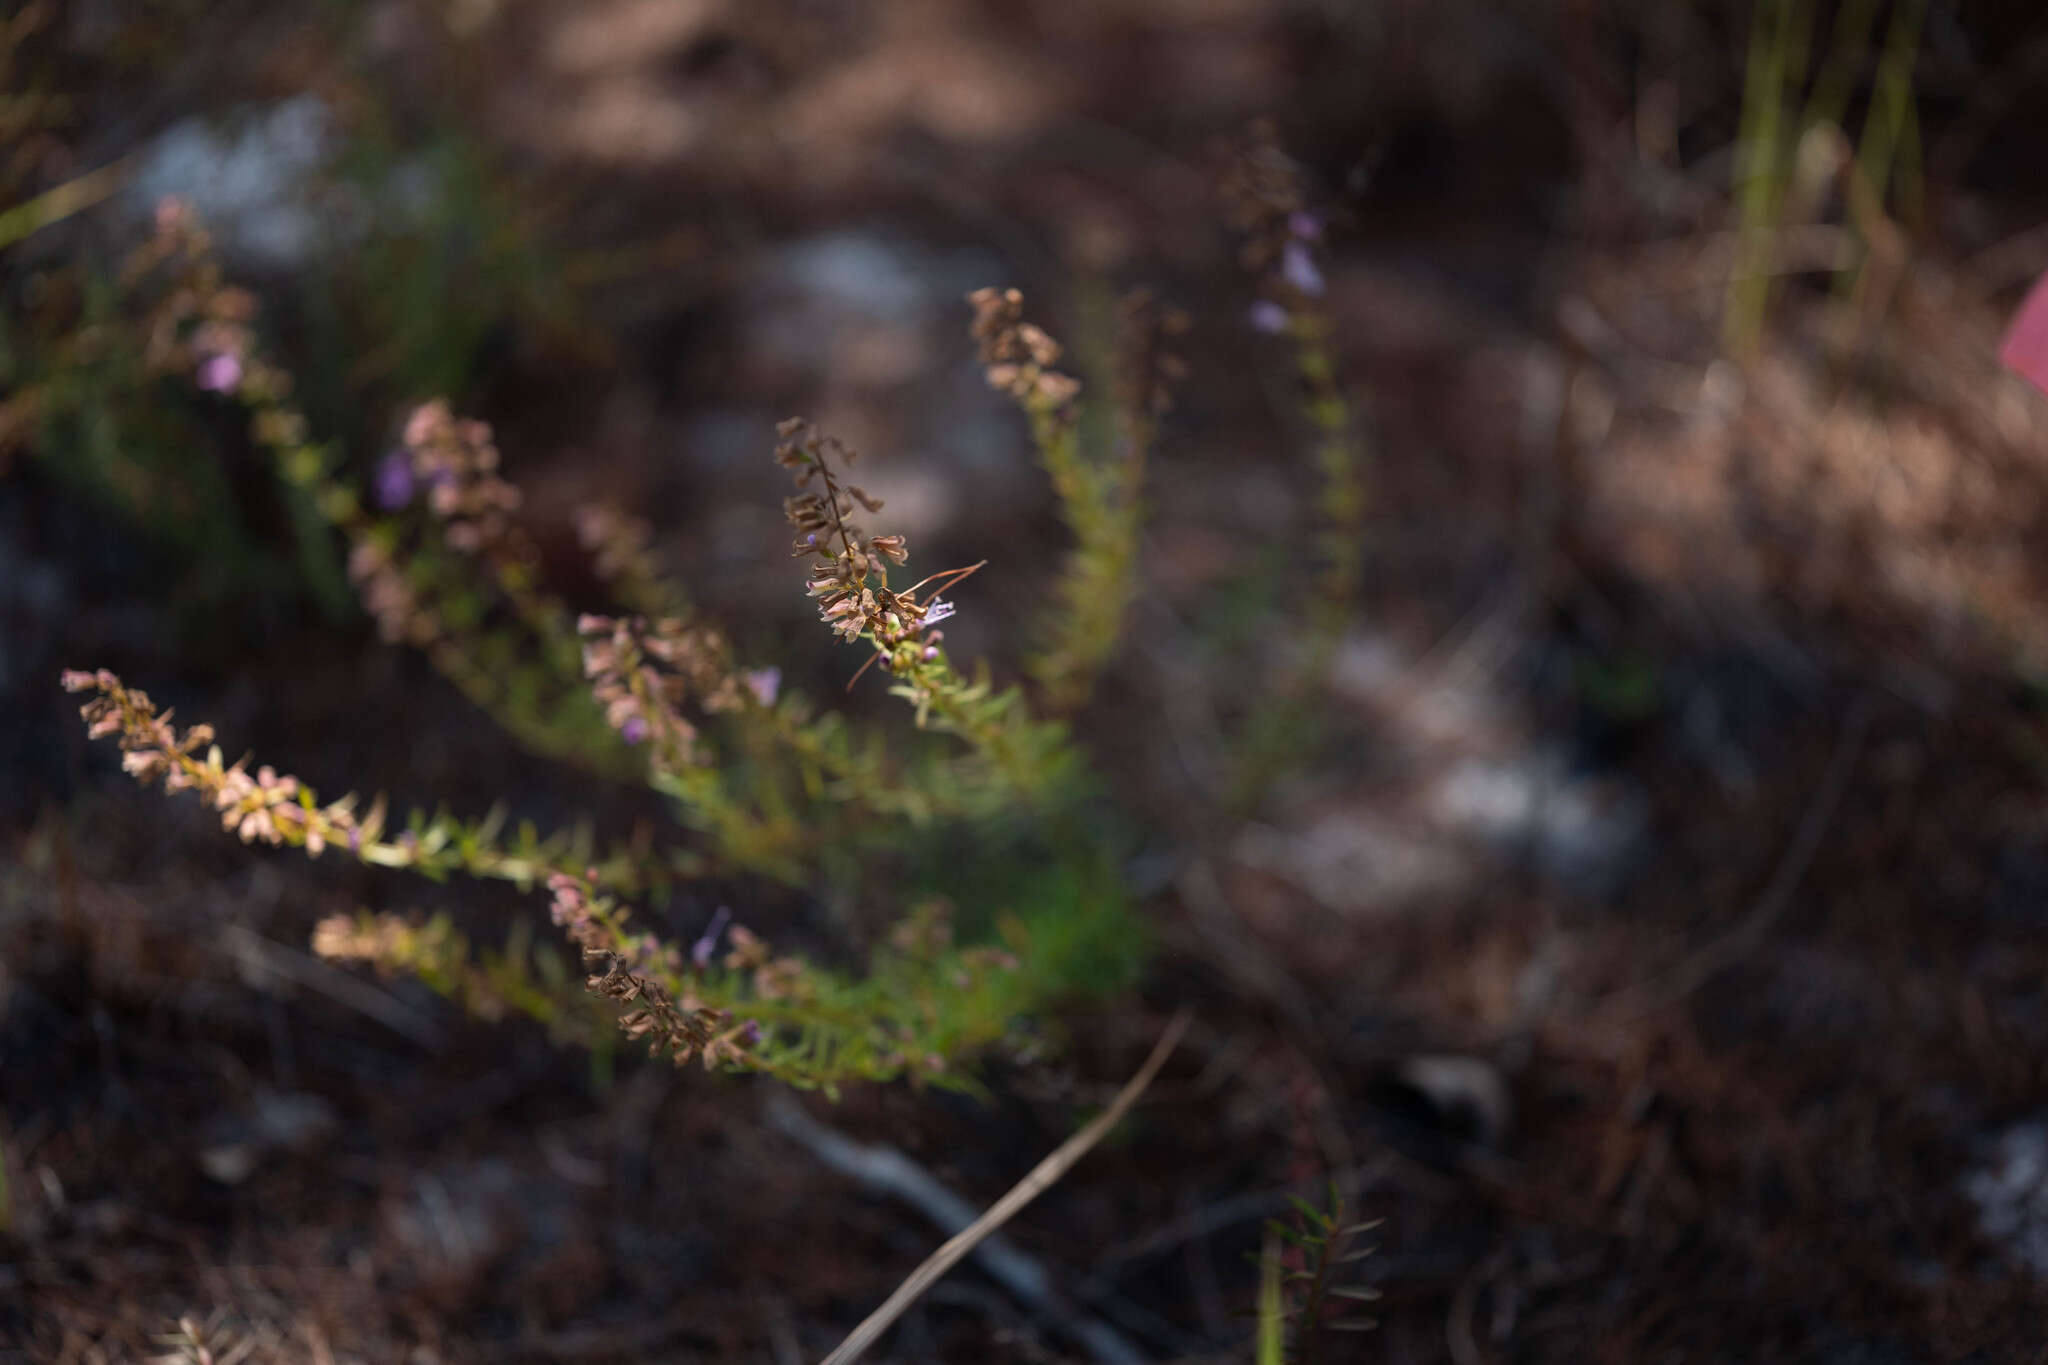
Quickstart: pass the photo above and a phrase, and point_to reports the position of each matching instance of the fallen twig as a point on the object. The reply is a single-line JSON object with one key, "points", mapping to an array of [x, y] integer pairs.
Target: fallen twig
{"points": [[1023, 1276]]}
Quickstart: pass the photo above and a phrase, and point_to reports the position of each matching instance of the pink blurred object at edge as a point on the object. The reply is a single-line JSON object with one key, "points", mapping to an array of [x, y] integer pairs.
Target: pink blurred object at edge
{"points": [[2025, 351]]}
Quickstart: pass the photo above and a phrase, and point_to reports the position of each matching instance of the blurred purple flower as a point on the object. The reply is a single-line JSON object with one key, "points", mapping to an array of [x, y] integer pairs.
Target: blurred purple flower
{"points": [[1298, 268], [220, 373], [634, 731], [393, 484], [764, 683], [1307, 226], [703, 948], [750, 1032], [1267, 316]]}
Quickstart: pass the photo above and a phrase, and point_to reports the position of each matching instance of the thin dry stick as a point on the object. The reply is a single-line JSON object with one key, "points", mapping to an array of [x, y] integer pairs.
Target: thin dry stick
{"points": [[1042, 1178], [886, 1169]]}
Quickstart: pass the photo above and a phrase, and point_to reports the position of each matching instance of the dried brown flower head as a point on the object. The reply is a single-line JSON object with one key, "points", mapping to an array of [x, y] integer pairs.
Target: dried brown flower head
{"points": [[373, 939], [389, 596], [269, 806], [643, 673], [1017, 355], [1262, 190], [667, 1027], [1147, 369], [850, 574], [621, 546], [201, 326], [456, 461]]}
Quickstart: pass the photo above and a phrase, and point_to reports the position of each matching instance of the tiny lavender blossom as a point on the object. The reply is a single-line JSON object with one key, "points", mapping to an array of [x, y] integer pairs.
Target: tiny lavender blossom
{"points": [[764, 683], [1298, 268], [221, 373], [1267, 316], [394, 481], [705, 946]]}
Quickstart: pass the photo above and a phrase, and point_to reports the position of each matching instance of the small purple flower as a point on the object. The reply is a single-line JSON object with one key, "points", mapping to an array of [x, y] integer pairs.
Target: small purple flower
{"points": [[1267, 316], [634, 731], [764, 683], [938, 611], [703, 948], [750, 1032], [393, 483], [1298, 268], [220, 373], [931, 652], [1307, 226], [355, 839]]}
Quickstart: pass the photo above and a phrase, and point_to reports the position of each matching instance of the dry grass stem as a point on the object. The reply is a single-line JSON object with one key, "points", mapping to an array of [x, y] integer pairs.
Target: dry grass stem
{"points": [[1042, 1178]]}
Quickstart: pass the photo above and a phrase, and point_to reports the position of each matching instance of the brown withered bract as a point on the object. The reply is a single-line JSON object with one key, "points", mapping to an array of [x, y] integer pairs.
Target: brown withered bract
{"points": [[457, 462], [642, 673], [1018, 356], [265, 806], [1147, 368], [1262, 189], [849, 575]]}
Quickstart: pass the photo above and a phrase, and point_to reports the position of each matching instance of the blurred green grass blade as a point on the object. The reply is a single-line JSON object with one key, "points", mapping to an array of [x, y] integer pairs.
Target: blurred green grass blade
{"points": [[1272, 1313], [56, 204]]}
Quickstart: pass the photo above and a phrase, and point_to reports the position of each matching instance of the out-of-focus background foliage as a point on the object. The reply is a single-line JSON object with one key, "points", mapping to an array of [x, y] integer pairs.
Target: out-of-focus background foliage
{"points": [[1654, 933]]}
